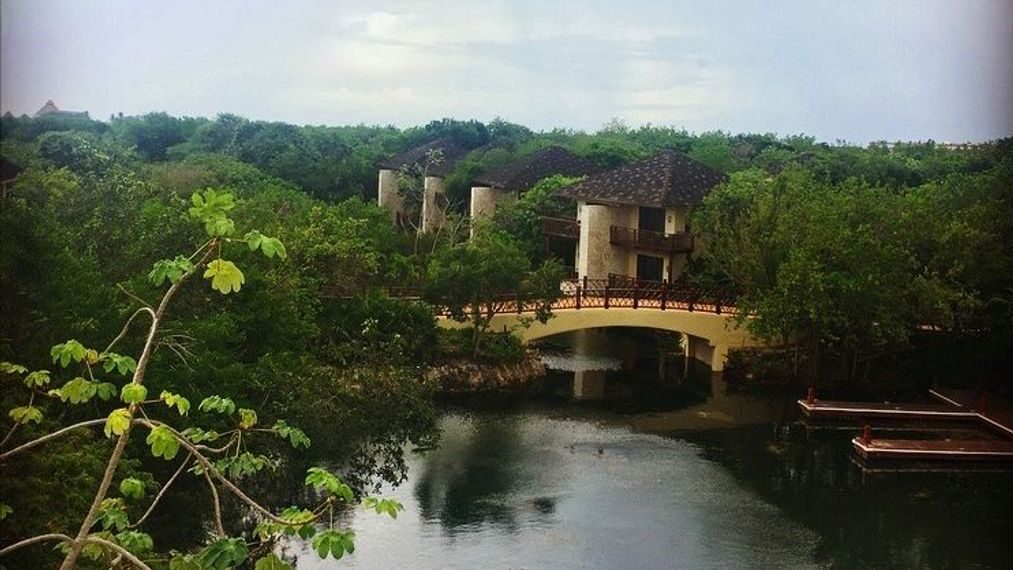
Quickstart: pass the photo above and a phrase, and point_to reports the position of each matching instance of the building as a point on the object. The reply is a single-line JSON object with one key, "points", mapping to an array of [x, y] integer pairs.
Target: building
{"points": [[507, 183], [420, 160], [634, 220], [51, 110]]}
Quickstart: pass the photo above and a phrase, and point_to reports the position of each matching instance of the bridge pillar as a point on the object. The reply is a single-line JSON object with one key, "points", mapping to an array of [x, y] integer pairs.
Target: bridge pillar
{"points": [[434, 203], [387, 194]]}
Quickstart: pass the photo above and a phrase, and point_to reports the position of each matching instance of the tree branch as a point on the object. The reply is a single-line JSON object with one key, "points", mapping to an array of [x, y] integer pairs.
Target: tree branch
{"points": [[117, 549], [26, 446], [33, 540], [162, 492], [217, 503]]}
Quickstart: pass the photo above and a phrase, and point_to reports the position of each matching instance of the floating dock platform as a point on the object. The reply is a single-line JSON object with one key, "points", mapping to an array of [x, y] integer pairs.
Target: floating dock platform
{"points": [[994, 418]]}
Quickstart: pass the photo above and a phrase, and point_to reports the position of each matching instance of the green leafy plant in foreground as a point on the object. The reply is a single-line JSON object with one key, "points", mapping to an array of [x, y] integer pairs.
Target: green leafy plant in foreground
{"points": [[106, 534]]}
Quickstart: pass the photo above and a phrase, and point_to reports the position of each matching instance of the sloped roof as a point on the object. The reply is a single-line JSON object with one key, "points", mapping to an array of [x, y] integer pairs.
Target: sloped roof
{"points": [[452, 153], [50, 108], [526, 171], [666, 179]]}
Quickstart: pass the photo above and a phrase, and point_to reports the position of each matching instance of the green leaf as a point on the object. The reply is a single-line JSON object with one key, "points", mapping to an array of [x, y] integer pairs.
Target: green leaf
{"points": [[181, 403], [180, 561], [135, 541], [212, 209], [26, 414], [294, 435], [67, 352], [388, 506], [171, 269], [163, 442], [132, 488], [11, 368], [247, 418], [77, 391], [5, 510], [105, 390], [133, 393], [37, 379], [270, 246], [225, 276], [272, 562], [217, 404], [243, 465], [323, 480], [117, 422], [333, 543], [198, 435], [122, 364], [223, 554], [113, 514]]}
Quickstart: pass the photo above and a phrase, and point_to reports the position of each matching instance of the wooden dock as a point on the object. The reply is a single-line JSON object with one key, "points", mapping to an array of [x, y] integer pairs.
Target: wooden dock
{"points": [[993, 417]]}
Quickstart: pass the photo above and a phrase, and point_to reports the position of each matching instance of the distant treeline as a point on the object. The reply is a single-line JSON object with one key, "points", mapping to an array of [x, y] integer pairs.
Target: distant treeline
{"points": [[335, 163]]}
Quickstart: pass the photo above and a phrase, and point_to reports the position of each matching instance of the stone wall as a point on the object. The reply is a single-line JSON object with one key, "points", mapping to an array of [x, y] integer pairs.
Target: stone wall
{"points": [[461, 377]]}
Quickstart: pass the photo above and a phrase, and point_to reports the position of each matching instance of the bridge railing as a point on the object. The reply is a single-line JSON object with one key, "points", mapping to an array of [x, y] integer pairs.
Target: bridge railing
{"points": [[615, 292]]}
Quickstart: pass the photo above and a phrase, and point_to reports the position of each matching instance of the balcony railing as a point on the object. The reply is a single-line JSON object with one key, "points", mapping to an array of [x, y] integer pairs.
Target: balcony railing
{"points": [[654, 241], [561, 227]]}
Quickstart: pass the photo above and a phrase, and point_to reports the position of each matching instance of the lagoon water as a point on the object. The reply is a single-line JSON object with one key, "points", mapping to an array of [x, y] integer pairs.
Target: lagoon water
{"points": [[619, 461]]}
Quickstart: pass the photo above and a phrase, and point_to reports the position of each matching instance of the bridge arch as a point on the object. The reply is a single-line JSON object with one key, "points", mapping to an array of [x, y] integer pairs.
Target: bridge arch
{"points": [[709, 335]]}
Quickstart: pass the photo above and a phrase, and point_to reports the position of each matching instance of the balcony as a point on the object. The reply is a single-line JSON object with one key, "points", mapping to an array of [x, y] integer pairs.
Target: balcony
{"points": [[651, 241], [561, 227]]}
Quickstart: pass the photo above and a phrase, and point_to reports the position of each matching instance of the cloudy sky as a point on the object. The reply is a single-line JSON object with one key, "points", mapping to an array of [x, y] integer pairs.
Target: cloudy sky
{"points": [[852, 70]]}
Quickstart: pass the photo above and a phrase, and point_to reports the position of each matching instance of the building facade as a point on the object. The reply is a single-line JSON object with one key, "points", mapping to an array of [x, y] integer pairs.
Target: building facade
{"points": [[634, 221]]}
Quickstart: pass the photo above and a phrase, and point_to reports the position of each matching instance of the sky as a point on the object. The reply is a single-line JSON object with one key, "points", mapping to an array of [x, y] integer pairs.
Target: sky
{"points": [[857, 71]]}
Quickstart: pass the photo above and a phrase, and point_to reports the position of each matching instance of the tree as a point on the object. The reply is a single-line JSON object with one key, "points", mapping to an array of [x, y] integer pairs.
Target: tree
{"points": [[522, 219], [821, 266], [474, 279], [118, 542]]}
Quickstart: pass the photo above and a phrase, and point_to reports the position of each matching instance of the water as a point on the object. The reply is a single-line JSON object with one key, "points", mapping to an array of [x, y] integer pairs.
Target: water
{"points": [[620, 470]]}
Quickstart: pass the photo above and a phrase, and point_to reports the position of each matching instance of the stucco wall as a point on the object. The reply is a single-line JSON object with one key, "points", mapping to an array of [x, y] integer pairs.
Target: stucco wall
{"points": [[596, 256], [433, 203], [387, 195]]}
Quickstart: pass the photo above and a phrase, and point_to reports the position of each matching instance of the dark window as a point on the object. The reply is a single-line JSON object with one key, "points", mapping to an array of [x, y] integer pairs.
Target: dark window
{"points": [[652, 219], [650, 268]]}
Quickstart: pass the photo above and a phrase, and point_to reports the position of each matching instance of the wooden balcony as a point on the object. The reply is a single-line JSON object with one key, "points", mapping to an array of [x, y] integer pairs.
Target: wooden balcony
{"points": [[561, 227], [681, 242]]}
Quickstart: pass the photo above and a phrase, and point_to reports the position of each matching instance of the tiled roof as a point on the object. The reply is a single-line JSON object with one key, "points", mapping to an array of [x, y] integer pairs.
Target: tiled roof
{"points": [[451, 154], [667, 179], [526, 171], [50, 108]]}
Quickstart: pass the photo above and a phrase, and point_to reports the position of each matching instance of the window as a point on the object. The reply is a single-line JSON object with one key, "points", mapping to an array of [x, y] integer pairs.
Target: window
{"points": [[652, 219], [650, 268]]}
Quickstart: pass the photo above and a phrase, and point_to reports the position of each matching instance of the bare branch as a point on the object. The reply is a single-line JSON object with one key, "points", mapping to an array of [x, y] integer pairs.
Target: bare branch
{"points": [[132, 296], [126, 326], [45, 438], [117, 549], [33, 540], [162, 492], [217, 503]]}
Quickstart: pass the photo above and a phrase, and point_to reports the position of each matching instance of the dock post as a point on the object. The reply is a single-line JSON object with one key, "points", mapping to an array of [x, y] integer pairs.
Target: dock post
{"points": [[866, 434], [811, 396]]}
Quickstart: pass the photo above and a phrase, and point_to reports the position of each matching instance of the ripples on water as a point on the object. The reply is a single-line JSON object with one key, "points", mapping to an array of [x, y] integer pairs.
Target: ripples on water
{"points": [[716, 480]]}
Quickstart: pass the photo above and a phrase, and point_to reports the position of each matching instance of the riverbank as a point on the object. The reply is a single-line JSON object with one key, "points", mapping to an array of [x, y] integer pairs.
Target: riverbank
{"points": [[464, 376]]}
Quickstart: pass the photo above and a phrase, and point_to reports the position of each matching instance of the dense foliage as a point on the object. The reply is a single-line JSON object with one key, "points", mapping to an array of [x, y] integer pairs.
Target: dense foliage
{"points": [[843, 249]]}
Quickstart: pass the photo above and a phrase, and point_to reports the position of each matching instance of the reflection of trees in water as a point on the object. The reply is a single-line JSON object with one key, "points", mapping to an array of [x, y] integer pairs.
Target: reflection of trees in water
{"points": [[908, 519], [469, 481]]}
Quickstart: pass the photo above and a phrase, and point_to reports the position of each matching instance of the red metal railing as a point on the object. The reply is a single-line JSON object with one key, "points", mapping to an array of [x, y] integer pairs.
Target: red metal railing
{"points": [[616, 292], [654, 241]]}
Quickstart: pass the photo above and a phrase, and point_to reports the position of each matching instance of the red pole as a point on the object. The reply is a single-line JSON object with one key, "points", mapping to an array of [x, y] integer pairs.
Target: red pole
{"points": [[867, 434], [811, 396]]}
